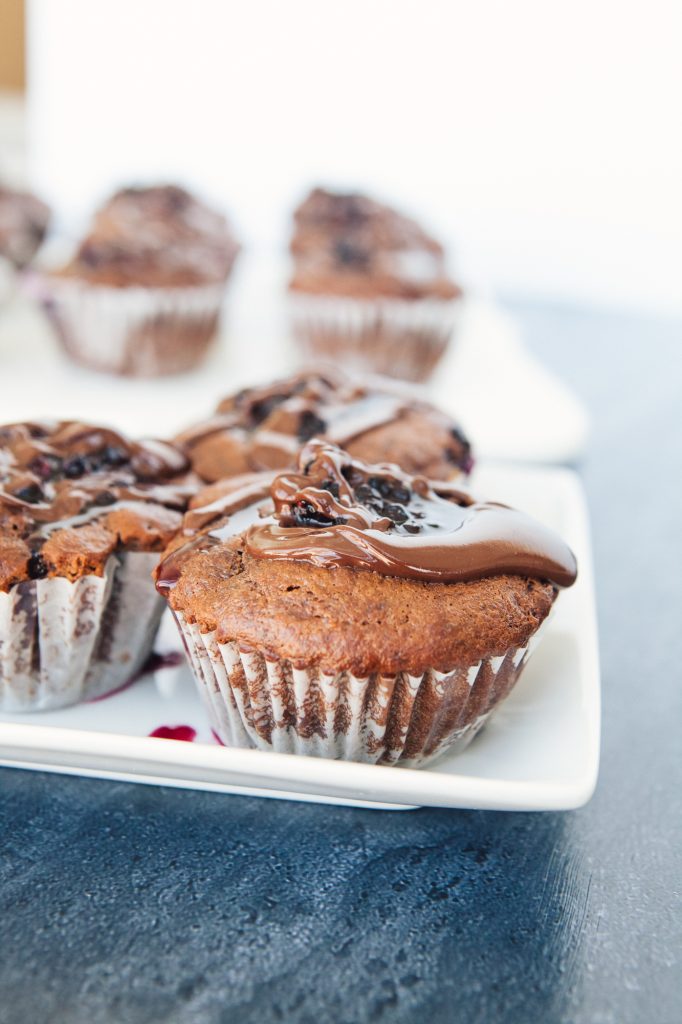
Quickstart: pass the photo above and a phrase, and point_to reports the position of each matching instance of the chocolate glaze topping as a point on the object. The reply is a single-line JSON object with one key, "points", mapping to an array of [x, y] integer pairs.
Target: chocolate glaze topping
{"points": [[272, 422], [340, 511], [61, 476]]}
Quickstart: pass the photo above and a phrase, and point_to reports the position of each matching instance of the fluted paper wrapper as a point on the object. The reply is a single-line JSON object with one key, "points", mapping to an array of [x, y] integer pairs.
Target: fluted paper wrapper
{"points": [[403, 338], [134, 331], [63, 642], [256, 701]]}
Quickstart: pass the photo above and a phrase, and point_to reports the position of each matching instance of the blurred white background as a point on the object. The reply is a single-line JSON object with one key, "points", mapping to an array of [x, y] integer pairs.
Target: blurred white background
{"points": [[542, 140]]}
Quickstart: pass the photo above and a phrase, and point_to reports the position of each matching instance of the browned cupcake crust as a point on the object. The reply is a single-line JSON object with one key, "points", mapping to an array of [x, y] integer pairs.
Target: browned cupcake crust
{"points": [[337, 568], [349, 620], [264, 427], [350, 245], [23, 224], [71, 494], [157, 237]]}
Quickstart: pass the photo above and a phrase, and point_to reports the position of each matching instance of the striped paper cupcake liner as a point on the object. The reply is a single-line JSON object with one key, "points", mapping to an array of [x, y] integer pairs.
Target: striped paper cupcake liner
{"points": [[257, 701], [134, 331], [403, 338], [64, 642]]}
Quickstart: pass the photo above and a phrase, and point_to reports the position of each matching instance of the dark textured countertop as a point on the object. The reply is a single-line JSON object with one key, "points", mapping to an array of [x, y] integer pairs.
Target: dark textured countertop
{"points": [[132, 904]]}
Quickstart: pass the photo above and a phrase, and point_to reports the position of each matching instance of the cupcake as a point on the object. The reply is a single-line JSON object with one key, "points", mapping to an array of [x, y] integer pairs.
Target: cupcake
{"points": [[369, 287], [23, 224], [265, 427], [83, 515], [142, 295], [352, 611]]}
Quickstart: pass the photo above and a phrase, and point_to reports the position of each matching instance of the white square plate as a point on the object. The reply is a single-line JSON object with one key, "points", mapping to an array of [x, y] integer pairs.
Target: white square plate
{"points": [[540, 750]]}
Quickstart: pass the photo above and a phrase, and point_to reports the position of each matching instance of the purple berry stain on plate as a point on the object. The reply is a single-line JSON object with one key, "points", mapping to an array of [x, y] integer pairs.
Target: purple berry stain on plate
{"points": [[175, 732]]}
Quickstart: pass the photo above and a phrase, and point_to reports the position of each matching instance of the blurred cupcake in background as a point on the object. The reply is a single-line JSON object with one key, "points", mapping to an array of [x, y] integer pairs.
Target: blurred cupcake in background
{"points": [[23, 224], [142, 295], [369, 287]]}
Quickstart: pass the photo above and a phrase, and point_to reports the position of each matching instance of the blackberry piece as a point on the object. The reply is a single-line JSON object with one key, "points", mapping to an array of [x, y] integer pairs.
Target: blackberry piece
{"points": [[37, 567], [463, 460], [74, 467], [389, 488], [261, 410], [347, 255], [31, 493], [104, 498], [46, 466], [305, 514], [111, 458], [396, 513], [309, 425], [331, 486]]}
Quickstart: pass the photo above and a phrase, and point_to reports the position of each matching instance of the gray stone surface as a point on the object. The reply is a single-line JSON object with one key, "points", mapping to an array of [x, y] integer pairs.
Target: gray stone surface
{"points": [[133, 904]]}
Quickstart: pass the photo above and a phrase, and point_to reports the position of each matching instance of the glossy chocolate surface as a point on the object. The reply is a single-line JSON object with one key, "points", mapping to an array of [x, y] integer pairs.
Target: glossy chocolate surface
{"points": [[340, 511]]}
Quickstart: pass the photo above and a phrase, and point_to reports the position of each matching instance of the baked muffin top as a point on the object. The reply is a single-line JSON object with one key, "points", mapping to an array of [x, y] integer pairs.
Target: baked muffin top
{"points": [[72, 493], [265, 427], [160, 236], [351, 245], [362, 568], [23, 223]]}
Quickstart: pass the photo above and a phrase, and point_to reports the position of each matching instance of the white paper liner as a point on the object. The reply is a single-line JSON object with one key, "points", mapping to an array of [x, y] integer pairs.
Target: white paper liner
{"points": [[254, 701], [63, 642], [403, 338], [138, 332]]}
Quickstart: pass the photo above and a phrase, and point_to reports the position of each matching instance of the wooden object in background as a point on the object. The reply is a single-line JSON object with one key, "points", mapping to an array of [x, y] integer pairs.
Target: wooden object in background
{"points": [[12, 63]]}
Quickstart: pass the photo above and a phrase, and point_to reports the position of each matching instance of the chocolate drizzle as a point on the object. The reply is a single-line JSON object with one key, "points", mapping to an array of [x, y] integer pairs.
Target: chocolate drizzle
{"points": [[67, 475], [338, 511]]}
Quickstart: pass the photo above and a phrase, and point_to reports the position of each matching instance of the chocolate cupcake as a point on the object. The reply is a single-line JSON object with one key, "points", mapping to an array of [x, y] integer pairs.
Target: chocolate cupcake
{"points": [[369, 287], [23, 224], [265, 427], [352, 611], [83, 515], [143, 293]]}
